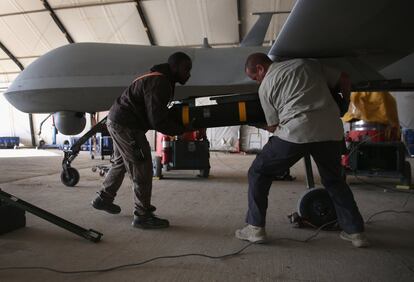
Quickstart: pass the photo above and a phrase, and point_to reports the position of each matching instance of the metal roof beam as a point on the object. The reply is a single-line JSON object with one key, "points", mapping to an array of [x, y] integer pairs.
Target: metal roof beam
{"points": [[11, 56], [21, 67], [144, 22], [67, 8], [57, 21], [9, 72], [239, 19], [22, 57], [93, 5]]}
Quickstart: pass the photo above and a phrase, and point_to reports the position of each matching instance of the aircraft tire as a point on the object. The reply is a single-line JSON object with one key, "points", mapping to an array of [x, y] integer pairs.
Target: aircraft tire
{"points": [[204, 173], [157, 167], [317, 207], [406, 174], [72, 179]]}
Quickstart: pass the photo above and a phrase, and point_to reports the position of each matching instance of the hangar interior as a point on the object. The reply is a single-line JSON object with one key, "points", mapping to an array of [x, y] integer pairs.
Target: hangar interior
{"points": [[203, 212]]}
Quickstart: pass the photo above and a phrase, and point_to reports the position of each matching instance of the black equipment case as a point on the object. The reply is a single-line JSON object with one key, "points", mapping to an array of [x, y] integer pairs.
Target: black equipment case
{"points": [[11, 218]]}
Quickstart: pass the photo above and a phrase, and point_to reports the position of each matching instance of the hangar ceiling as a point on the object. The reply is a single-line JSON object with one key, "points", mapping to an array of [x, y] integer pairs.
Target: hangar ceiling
{"points": [[31, 28]]}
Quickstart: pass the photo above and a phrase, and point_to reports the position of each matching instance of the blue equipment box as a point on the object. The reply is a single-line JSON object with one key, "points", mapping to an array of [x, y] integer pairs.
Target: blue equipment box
{"points": [[9, 142], [409, 140], [104, 145], [72, 140]]}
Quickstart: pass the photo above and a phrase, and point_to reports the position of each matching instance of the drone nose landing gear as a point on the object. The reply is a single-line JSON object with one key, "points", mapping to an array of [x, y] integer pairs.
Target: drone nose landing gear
{"points": [[70, 176]]}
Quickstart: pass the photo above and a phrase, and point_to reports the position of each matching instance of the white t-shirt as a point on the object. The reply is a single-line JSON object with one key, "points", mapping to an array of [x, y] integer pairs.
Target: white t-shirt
{"points": [[294, 94]]}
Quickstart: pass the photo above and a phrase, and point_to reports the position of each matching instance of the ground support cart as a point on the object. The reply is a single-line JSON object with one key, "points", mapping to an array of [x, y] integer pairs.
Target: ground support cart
{"points": [[189, 151]]}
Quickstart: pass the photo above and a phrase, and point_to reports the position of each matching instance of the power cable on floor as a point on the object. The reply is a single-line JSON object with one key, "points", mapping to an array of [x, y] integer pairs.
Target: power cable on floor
{"points": [[316, 233], [406, 201], [123, 266], [384, 211], [401, 259], [390, 211], [382, 186], [355, 147], [388, 189]]}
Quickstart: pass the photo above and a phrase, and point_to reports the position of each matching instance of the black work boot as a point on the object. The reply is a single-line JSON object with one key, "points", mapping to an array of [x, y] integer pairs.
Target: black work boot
{"points": [[149, 221], [105, 205]]}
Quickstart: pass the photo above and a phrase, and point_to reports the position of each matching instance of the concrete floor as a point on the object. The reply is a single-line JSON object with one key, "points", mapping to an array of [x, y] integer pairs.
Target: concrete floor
{"points": [[204, 214]]}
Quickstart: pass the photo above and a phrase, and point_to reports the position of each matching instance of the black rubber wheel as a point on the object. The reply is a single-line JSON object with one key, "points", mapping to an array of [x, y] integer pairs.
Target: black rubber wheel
{"points": [[157, 167], [42, 143], [166, 167], [406, 178], [317, 207], [102, 173], [204, 173], [71, 178]]}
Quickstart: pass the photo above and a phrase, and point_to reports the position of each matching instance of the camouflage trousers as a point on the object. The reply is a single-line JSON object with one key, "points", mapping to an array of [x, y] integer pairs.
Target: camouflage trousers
{"points": [[132, 154]]}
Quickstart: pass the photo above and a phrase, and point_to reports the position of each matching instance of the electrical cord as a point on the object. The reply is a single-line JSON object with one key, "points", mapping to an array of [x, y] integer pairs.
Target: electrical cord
{"points": [[406, 201], [370, 183], [359, 143], [384, 211], [401, 259], [316, 233], [382, 186], [387, 188], [354, 148], [123, 266]]}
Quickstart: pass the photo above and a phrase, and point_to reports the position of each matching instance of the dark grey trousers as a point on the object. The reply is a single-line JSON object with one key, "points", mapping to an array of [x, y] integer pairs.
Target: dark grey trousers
{"points": [[279, 155], [132, 154]]}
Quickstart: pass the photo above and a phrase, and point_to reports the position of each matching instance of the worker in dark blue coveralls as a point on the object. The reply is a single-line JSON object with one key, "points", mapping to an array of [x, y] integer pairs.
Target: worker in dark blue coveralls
{"points": [[300, 111]]}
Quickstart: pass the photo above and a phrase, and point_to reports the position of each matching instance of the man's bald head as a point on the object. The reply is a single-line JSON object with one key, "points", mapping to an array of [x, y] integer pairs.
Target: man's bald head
{"points": [[257, 65]]}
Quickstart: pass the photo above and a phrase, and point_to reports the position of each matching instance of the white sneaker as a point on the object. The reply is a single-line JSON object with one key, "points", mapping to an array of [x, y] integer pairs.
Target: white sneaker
{"points": [[251, 233], [359, 240]]}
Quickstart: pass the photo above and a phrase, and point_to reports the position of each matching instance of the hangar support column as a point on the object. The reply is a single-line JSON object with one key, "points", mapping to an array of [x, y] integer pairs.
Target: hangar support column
{"points": [[21, 67]]}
